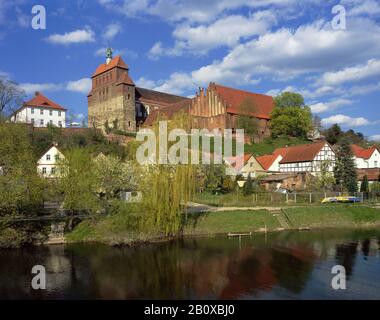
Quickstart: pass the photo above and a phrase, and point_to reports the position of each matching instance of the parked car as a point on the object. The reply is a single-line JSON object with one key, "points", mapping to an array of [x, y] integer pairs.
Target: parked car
{"points": [[330, 200]]}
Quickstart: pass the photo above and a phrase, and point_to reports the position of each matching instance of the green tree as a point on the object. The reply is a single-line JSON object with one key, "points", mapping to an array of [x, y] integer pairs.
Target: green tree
{"points": [[289, 99], [325, 179], [290, 116], [10, 97], [364, 186], [345, 168], [333, 134], [79, 182], [113, 176], [248, 186]]}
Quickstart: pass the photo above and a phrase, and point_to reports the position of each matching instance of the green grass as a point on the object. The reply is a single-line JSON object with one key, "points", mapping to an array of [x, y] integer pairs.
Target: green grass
{"points": [[335, 216], [231, 221], [270, 144]]}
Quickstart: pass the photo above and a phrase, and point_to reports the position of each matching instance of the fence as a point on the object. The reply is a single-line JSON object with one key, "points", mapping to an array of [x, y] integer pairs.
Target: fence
{"points": [[266, 198]]}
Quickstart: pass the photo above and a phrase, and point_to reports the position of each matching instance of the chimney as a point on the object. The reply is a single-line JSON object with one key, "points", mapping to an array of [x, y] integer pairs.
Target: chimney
{"points": [[37, 93]]}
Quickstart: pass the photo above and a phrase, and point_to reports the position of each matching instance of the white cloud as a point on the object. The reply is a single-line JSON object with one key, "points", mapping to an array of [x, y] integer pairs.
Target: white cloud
{"points": [[362, 7], [158, 50], [288, 53], [351, 74], [82, 85], [202, 38], [375, 137], [345, 121], [330, 106], [176, 84], [145, 83], [112, 30], [77, 36], [23, 19], [186, 10], [30, 88]]}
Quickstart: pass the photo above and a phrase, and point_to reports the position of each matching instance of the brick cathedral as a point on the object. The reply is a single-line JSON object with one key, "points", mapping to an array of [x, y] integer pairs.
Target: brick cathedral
{"points": [[115, 101]]}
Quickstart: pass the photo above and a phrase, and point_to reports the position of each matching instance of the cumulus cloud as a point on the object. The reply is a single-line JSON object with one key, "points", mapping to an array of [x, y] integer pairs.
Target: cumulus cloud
{"points": [[375, 137], [202, 38], [346, 121], [82, 85], [30, 88], [187, 10], [145, 83], [351, 74], [77, 36], [111, 31], [330, 106]]}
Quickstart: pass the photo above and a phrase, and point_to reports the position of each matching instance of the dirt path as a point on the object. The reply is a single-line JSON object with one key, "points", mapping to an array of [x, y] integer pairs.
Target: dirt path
{"points": [[198, 207]]}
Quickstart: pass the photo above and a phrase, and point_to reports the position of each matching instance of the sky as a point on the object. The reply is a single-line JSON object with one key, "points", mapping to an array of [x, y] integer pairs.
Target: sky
{"points": [[176, 46]]}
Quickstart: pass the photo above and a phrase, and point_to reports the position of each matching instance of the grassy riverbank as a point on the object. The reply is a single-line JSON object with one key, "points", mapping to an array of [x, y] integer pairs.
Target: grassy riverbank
{"points": [[116, 229], [333, 216]]}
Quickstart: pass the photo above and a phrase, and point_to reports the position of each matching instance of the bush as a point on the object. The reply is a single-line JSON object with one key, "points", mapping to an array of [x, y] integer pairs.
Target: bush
{"points": [[11, 238]]}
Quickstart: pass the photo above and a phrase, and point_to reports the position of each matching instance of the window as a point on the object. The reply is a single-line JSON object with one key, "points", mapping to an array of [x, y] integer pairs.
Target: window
{"points": [[32, 111], [32, 120], [375, 163], [48, 157], [59, 113], [53, 170], [44, 170], [50, 112], [51, 122], [129, 123], [42, 122], [56, 157], [41, 111], [60, 124]]}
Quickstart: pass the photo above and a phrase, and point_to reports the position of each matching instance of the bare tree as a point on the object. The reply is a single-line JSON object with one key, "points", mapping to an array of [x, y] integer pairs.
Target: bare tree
{"points": [[11, 97]]}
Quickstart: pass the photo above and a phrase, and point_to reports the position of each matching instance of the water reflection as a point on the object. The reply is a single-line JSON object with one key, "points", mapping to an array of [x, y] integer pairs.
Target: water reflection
{"points": [[286, 265]]}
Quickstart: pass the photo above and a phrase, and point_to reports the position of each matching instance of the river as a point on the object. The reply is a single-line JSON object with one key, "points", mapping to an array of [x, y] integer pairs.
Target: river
{"points": [[288, 265]]}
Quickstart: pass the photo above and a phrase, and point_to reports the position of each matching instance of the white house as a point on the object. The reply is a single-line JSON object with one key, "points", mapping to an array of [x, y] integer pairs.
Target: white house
{"points": [[250, 166], [307, 158], [271, 162], [40, 112], [48, 165], [366, 158]]}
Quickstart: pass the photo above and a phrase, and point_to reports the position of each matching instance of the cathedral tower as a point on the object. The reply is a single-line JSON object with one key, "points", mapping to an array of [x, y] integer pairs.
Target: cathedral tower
{"points": [[111, 101]]}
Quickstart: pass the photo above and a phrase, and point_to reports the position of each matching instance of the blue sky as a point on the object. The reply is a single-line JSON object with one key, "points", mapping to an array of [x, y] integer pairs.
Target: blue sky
{"points": [[265, 46]]}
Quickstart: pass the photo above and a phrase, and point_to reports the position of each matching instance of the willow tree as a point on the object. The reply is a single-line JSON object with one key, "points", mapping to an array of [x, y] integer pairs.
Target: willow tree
{"points": [[167, 187]]}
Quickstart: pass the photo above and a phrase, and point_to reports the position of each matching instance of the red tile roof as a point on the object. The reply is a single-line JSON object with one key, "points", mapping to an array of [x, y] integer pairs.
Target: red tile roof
{"points": [[360, 152], [302, 153], [266, 161], [234, 97], [41, 101], [115, 62], [156, 97]]}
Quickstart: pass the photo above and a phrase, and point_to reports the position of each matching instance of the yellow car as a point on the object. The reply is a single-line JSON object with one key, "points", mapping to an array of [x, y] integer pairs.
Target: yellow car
{"points": [[330, 200]]}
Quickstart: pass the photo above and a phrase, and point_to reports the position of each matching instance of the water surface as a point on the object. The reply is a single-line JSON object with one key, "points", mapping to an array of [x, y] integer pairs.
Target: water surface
{"points": [[294, 265]]}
